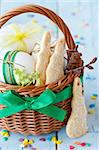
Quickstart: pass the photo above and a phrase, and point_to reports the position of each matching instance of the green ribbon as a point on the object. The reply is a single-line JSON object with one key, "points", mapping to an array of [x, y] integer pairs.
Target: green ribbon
{"points": [[44, 103], [12, 58], [5, 68], [8, 67]]}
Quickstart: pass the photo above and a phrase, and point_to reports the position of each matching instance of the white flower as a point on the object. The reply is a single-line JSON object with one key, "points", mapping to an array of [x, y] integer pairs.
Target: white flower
{"points": [[20, 37]]}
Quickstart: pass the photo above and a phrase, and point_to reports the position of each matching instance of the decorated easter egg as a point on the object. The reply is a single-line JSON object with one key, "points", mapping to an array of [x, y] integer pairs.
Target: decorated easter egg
{"points": [[15, 65]]}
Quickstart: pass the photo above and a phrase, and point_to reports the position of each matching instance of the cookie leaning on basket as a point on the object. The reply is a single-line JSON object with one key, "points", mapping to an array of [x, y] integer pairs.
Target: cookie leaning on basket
{"points": [[35, 88], [77, 123]]}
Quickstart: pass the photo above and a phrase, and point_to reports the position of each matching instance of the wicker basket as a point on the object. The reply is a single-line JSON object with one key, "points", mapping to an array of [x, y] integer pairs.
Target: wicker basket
{"points": [[33, 122]]}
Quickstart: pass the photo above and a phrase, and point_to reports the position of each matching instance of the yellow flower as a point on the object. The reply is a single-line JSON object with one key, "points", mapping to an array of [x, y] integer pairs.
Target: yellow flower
{"points": [[20, 36]]}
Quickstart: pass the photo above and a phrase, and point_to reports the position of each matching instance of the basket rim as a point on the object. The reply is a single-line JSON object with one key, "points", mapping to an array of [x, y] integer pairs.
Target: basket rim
{"points": [[33, 90]]}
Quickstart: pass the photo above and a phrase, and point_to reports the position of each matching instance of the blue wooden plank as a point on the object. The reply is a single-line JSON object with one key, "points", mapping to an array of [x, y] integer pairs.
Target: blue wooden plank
{"points": [[78, 16], [13, 142], [91, 138]]}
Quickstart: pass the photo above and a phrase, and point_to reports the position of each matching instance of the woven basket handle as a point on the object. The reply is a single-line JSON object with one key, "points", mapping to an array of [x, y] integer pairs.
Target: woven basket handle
{"points": [[46, 12]]}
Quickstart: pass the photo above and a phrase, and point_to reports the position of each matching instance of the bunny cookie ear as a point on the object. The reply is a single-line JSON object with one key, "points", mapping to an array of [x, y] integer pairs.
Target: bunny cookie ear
{"points": [[45, 40], [60, 45], [77, 85]]}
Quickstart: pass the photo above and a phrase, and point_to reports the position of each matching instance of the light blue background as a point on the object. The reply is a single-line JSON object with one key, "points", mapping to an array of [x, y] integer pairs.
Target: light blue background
{"points": [[82, 17]]}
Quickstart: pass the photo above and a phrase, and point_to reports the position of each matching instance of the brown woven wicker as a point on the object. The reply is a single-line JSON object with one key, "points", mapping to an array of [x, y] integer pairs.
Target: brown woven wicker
{"points": [[32, 122]]}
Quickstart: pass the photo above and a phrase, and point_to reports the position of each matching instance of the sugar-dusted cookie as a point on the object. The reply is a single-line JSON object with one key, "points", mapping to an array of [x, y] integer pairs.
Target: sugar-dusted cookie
{"points": [[43, 57], [77, 123], [55, 69]]}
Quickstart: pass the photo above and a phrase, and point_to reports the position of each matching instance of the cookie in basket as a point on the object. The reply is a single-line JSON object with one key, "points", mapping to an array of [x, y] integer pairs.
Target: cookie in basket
{"points": [[43, 57], [55, 69]]}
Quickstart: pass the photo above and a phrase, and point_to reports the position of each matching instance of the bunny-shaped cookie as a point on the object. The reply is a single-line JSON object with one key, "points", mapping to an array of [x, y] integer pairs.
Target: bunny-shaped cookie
{"points": [[77, 123], [43, 57], [55, 69]]}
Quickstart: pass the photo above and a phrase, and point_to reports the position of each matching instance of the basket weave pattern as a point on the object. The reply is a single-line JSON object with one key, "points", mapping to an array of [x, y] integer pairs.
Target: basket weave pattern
{"points": [[32, 122]]}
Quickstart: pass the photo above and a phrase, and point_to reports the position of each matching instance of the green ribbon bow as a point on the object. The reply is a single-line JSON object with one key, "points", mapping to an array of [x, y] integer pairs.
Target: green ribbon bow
{"points": [[44, 103]]}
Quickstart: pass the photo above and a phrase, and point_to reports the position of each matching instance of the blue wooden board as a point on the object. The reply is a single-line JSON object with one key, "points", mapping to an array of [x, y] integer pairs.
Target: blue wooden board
{"points": [[82, 18], [13, 142], [88, 138]]}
